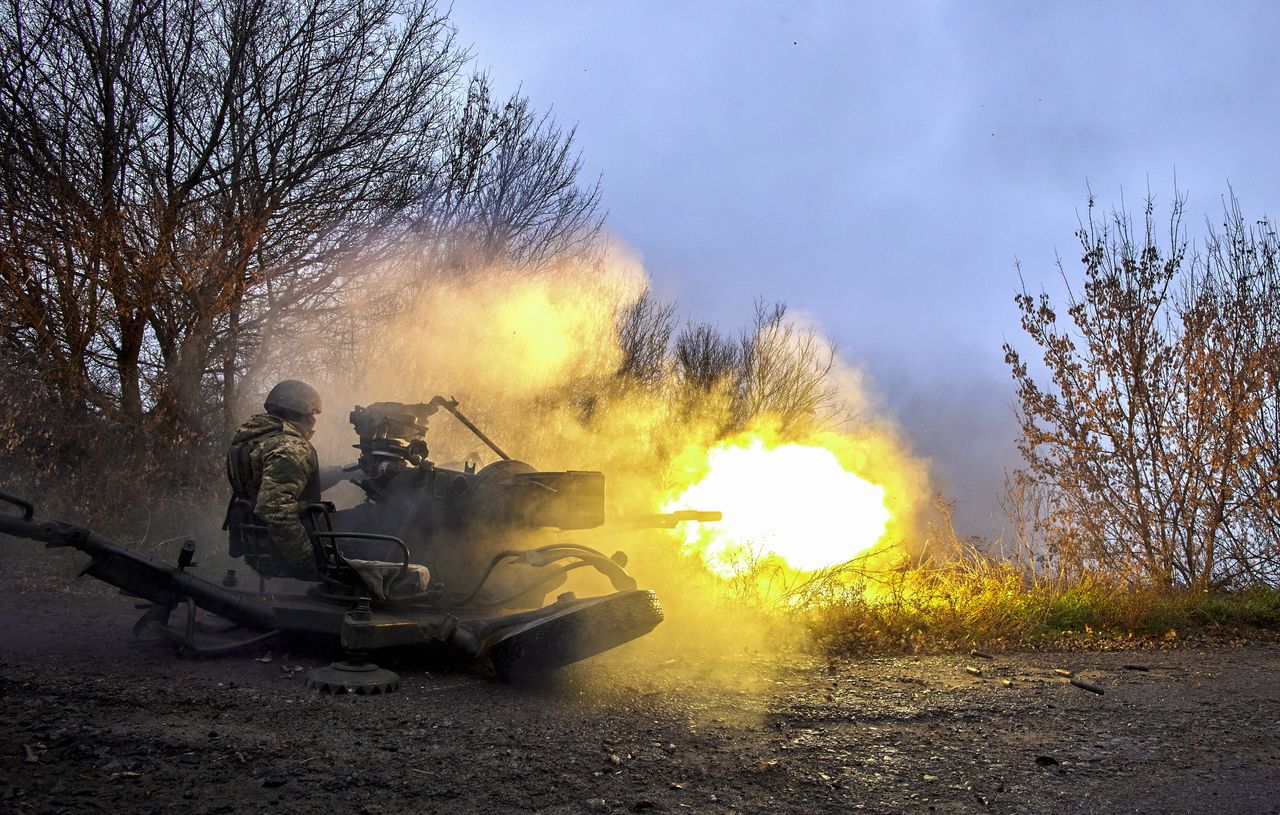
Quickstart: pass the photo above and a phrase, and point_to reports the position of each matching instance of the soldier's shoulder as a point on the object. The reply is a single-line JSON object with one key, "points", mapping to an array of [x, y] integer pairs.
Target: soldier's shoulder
{"points": [[255, 427], [286, 444]]}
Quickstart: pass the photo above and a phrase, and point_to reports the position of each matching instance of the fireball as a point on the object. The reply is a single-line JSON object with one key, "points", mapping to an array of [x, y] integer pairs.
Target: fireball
{"points": [[795, 502]]}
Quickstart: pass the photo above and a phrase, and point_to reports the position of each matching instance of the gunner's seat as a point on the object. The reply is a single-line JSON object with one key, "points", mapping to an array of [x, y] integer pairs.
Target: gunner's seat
{"points": [[384, 579]]}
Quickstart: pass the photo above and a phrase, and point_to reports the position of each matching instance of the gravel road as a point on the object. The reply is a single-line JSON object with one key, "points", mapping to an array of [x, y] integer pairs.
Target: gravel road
{"points": [[94, 721]]}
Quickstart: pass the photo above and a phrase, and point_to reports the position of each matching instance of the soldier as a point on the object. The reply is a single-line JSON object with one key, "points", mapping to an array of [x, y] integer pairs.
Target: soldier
{"points": [[274, 472]]}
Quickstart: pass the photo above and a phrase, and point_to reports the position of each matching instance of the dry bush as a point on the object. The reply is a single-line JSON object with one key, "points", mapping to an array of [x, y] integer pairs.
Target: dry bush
{"points": [[1155, 437], [705, 358], [644, 337], [785, 372]]}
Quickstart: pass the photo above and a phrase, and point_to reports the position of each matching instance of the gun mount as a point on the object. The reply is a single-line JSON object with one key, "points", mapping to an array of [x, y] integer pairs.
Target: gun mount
{"points": [[482, 534]]}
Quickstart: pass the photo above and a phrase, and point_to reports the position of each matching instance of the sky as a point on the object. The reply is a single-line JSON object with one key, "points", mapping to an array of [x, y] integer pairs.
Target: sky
{"points": [[882, 167]]}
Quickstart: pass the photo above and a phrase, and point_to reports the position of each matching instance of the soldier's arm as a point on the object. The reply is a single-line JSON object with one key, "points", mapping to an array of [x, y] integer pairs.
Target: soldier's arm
{"points": [[285, 471]]}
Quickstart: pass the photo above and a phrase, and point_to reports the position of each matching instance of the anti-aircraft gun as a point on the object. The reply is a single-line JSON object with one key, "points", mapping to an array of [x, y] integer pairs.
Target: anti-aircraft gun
{"points": [[394, 469], [456, 521], [485, 536]]}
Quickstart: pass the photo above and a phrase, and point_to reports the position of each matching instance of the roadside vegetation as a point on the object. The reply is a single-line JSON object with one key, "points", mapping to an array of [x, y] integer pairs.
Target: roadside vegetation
{"points": [[976, 603], [1148, 508]]}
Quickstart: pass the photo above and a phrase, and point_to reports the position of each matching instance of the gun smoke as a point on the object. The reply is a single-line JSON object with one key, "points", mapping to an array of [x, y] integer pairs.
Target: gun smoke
{"points": [[537, 359]]}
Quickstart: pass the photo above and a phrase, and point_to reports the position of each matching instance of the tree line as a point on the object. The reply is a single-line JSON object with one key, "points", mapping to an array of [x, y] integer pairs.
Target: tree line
{"points": [[194, 197], [182, 180]]}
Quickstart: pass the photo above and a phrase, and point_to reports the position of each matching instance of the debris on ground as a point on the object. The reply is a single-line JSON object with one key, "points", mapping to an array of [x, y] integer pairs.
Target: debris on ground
{"points": [[1089, 686]]}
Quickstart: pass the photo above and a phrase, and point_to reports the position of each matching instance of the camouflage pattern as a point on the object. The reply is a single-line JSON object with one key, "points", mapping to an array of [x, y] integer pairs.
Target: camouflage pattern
{"points": [[279, 476]]}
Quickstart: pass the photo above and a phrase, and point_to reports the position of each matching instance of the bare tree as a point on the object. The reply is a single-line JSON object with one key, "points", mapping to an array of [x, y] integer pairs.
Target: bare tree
{"points": [[705, 358], [193, 195], [644, 335], [785, 372], [1146, 437], [776, 370], [1231, 311], [194, 171], [504, 188]]}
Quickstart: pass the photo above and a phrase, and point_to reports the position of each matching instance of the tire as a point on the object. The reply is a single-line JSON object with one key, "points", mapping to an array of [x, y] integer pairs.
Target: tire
{"points": [[578, 632]]}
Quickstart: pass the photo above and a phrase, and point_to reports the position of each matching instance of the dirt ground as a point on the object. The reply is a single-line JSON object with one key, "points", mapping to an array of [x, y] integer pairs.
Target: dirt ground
{"points": [[92, 720]]}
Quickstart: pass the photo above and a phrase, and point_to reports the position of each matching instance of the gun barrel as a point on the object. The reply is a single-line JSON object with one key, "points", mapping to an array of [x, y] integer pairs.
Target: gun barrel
{"points": [[664, 520], [707, 516]]}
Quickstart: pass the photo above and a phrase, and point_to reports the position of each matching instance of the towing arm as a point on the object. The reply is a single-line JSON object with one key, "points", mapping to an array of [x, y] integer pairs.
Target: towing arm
{"points": [[133, 572]]}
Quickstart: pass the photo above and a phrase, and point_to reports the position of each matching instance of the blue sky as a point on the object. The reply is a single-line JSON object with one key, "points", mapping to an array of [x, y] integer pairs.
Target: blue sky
{"points": [[880, 166]]}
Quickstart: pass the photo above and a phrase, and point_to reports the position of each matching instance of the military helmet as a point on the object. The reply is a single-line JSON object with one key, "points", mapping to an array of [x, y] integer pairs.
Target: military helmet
{"points": [[294, 396]]}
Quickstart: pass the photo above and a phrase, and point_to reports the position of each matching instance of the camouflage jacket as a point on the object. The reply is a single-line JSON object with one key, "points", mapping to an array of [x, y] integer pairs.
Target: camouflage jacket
{"points": [[273, 467]]}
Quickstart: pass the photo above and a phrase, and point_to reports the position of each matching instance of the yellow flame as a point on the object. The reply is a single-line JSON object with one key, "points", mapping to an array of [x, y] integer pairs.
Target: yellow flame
{"points": [[793, 501]]}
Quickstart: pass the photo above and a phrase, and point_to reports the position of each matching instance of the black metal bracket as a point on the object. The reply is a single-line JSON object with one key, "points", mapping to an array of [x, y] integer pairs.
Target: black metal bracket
{"points": [[28, 509]]}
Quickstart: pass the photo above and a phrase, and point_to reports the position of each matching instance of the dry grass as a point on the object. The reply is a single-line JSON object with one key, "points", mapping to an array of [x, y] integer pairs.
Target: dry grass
{"points": [[993, 605]]}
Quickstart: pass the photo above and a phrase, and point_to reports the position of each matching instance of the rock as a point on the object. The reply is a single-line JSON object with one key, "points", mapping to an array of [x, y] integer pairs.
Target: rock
{"points": [[597, 805]]}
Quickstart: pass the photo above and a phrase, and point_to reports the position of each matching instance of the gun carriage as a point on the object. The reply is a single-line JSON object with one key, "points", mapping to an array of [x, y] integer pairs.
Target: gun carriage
{"points": [[481, 534]]}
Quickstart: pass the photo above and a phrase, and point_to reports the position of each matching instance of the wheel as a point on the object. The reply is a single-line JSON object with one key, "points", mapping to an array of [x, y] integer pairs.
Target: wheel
{"points": [[575, 633]]}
